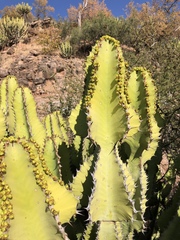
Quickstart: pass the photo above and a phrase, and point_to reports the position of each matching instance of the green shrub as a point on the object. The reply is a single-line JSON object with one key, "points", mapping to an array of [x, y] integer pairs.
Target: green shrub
{"points": [[93, 29], [65, 27]]}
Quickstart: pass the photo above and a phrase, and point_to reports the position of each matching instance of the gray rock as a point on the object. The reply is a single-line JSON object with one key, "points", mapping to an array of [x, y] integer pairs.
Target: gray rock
{"points": [[3, 73], [11, 51], [35, 52]]}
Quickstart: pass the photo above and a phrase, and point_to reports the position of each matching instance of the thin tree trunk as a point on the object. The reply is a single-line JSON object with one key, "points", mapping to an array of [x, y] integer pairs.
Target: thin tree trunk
{"points": [[80, 18], [84, 5]]}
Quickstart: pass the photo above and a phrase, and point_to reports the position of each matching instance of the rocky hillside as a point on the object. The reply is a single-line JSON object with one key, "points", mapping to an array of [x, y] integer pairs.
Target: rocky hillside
{"points": [[56, 83]]}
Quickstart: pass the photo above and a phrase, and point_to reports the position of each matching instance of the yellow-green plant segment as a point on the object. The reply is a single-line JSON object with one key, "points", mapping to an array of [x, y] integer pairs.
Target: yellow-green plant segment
{"points": [[57, 133], [25, 204], [30, 197], [34, 202], [120, 110]]}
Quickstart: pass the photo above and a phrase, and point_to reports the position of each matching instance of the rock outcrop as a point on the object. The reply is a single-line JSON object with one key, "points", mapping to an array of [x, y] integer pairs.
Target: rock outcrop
{"points": [[52, 79]]}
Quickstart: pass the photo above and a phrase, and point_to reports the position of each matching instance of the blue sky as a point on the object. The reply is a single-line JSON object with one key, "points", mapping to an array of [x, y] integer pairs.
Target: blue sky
{"points": [[117, 7]]}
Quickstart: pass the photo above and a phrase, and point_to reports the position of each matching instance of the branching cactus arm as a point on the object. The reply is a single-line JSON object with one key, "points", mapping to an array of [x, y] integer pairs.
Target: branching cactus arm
{"points": [[19, 108], [29, 191], [120, 112]]}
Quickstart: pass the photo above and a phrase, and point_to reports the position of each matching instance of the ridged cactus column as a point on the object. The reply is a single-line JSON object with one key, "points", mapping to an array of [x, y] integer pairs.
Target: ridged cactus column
{"points": [[108, 126], [34, 201], [120, 109]]}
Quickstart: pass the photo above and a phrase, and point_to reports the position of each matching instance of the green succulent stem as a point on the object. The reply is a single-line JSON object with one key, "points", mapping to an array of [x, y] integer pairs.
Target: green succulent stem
{"points": [[92, 175]]}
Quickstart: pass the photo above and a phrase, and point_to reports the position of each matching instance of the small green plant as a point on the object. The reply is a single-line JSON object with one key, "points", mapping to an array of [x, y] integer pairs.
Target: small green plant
{"points": [[12, 30], [66, 50]]}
